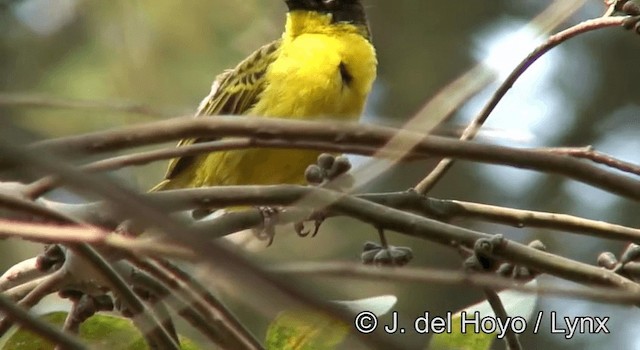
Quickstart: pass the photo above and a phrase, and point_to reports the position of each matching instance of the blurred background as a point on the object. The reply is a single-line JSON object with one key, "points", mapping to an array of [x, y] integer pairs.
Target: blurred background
{"points": [[164, 54]]}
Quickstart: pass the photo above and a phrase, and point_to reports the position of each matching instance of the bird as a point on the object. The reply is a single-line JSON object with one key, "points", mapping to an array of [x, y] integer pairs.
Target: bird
{"points": [[321, 68]]}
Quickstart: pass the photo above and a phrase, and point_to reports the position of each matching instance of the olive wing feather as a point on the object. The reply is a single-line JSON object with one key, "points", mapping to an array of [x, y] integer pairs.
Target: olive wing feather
{"points": [[233, 92]]}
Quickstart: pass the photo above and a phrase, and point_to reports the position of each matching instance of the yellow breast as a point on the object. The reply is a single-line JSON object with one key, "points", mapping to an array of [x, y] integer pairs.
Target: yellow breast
{"points": [[319, 75], [322, 71]]}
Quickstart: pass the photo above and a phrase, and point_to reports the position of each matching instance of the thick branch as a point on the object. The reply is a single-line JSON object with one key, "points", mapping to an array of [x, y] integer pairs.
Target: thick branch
{"points": [[343, 134], [392, 219], [443, 209]]}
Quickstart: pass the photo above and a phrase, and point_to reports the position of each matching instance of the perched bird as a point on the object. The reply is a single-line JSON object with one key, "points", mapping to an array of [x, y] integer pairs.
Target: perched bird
{"points": [[322, 67]]}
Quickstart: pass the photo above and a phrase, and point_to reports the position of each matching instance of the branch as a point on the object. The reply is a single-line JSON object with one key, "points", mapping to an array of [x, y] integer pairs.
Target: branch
{"points": [[39, 327], [198, 293], [49, 285], [71, 235], [446, 209], [143, 317], [46, 184], [20, 291], [289, 195], [597, 157], [472, 129], [159, 334], [106, 271], [191, 310], [20, 273], [344, 134], [219, 258], [348, 270], [493, 298], [382, 217], [25, 100]]}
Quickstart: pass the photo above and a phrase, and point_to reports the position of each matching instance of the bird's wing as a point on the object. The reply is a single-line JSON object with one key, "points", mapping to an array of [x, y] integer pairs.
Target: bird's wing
{"points": [[233, 92]]}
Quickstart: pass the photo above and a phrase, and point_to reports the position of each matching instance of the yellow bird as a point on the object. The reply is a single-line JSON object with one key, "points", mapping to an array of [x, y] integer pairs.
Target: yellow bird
{"points": [[322, 67]]}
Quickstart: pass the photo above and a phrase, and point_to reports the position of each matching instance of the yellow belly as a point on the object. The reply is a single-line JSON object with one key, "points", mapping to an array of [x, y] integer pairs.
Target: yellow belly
{"points": [[255, 166], [305, 82]]}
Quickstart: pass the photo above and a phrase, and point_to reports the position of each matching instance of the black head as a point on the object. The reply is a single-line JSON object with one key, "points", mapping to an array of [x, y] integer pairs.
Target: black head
{"points": [[350, 11]]}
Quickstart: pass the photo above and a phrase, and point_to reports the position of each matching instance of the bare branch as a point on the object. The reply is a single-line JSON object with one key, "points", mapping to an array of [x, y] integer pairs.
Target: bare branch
{"points": [[597, 157], [218, 257], [498, 308], [339, 133], [49, 285], [39, 327], [472, 129], [396, 220], [20, 273], [445, 209], [344, 270], [198, 293], [36, 101], [192, 310], [143, 317]]}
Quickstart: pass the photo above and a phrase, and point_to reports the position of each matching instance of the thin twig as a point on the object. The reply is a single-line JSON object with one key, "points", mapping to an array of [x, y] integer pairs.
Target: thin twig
{"points": [[48, 286], [400, 221], [209, 327], [40, 187], [27, 100], [20, 291], [220, 259], [202, 294], [143, 317], [498, 308], [349, 270], [374, 213], [22, 205], [445, 209], [472, 129], [597, 157], [92, 235], [344, 133], [442, 106], [20, 273], [39, 327]]}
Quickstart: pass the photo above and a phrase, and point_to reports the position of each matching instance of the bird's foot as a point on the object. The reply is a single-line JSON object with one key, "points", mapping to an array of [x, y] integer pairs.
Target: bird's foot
{"points": [[267, 230], [318, 218]]}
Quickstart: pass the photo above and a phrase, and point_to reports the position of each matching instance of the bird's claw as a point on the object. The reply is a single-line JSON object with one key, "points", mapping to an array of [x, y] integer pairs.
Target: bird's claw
{"points": [[318, 220], [267, 230]]}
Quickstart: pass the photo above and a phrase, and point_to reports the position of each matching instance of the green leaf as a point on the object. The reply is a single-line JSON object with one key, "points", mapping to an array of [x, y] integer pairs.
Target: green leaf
{"points": [[306, 330], [100, 332]]}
